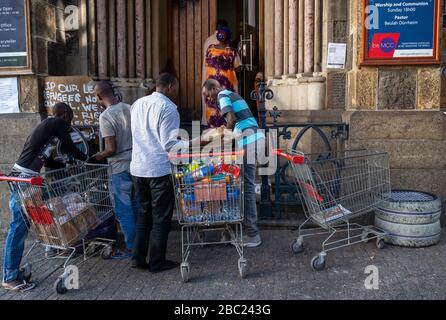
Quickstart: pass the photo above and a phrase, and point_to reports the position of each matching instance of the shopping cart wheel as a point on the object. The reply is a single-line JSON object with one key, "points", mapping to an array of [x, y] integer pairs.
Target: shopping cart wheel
{"points": [[365, 236], [107, 252], [91, 250], [59, 285], [298, 245], [201, 237], [380, 244], [25, 272], [318, 263], [242, 266], [225, 238], [185, 270]]}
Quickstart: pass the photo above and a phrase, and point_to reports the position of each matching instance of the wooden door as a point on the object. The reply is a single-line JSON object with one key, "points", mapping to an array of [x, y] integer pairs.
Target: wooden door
{"points": [[192, 22]]}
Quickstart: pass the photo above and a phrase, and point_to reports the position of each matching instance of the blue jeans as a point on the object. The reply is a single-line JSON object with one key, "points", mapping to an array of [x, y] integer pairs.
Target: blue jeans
{"points": [[15, 241], [126, 205]]}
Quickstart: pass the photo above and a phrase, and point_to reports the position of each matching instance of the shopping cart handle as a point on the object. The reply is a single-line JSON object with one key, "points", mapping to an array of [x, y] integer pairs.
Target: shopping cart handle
{"points": [[209, 155], [35, 181], [293, 159]]}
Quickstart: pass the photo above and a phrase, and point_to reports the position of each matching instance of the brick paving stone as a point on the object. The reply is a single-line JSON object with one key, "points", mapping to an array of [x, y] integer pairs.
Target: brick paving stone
{"points": [[93, 280], [85, 268], [274, 272], [121, 270]]}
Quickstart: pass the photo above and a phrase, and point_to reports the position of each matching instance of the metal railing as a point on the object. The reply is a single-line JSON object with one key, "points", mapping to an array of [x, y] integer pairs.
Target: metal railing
{"points": [[283, 189]]}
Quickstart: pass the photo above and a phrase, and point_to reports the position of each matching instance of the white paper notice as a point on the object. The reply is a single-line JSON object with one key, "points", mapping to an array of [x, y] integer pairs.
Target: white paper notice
{"points": [[9, 95], [337, 53]]}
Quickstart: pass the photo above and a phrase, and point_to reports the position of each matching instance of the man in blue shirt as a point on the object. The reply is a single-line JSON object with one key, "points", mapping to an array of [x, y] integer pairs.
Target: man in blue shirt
{"points": [[240, 119]]}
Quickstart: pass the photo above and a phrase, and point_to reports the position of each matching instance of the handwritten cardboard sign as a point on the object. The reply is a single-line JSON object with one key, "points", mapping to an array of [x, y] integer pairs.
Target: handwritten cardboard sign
{"points": [[78, 93]]}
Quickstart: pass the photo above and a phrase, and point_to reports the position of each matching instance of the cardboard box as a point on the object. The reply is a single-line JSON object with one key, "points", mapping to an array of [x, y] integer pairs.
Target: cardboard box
{"points": [[214, 191]]}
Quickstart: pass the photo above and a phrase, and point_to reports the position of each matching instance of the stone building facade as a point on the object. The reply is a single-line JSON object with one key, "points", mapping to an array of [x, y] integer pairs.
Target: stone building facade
{"points": [[399, 109]]}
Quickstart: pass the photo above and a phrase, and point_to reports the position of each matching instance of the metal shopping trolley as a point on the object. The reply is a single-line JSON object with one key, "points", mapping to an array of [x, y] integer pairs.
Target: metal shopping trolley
{"points": [[60, 208], [336, 190], [209, 197]]}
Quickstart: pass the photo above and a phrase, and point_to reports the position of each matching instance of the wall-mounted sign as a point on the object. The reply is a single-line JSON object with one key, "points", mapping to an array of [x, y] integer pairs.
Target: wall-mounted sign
{"points": [[10, 95], [401, 32], [337, 54], [15, 52], [78, 93]]}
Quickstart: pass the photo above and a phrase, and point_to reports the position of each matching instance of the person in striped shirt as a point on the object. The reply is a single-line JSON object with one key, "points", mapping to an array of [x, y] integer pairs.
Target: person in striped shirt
{"points": [[240, 119]]}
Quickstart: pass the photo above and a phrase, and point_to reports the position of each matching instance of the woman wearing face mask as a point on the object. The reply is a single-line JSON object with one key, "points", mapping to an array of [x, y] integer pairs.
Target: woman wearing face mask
{"points": [[221, 64]]}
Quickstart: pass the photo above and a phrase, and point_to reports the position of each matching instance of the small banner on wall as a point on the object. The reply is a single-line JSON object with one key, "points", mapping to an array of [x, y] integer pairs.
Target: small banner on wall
{"points": [[78, 93], [399, 32], [9, 94], [337, 53]]}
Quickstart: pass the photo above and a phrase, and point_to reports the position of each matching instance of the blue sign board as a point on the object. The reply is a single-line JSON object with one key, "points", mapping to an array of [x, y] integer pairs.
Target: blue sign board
{"points": [[14, 35], [401, 31]]}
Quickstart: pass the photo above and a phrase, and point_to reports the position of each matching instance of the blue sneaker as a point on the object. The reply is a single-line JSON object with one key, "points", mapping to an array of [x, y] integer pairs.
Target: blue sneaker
{"points": [[122, 255]]}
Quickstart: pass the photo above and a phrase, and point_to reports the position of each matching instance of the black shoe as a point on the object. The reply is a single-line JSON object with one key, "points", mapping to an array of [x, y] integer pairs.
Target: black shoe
{"points": [[165, 266], [140, 266]]}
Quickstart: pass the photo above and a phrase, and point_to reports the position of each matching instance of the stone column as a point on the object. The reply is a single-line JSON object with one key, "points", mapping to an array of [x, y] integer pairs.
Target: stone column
{"points": [[121, 26], [317, 35], [301, 37], [278, 38], [102, 39], [309, 36], [269, 39], [140, 39], [286, 37], [293, 30]]}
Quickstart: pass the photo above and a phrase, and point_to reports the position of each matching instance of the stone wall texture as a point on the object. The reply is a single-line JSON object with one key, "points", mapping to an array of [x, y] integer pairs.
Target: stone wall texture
{"points": [[48, 37], [429, 88], [14, 129], [415, 141], [398, 109], [397, 89]]}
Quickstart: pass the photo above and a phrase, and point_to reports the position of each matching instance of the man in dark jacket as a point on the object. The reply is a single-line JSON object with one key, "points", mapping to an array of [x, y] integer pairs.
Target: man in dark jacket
{"points": [[36, 153]]}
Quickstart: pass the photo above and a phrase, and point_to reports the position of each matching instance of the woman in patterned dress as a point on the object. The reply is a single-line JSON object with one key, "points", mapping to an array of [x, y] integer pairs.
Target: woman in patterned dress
{"points": [[221, 64]]}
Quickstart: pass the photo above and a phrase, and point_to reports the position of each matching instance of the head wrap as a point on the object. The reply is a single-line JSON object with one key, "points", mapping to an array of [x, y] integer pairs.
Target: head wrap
{"points": [[224, 34]]}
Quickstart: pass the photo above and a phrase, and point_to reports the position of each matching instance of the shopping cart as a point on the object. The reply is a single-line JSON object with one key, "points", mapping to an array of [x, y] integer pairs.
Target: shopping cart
{"points": [[60, 208], [336, 190], [209, 198]]}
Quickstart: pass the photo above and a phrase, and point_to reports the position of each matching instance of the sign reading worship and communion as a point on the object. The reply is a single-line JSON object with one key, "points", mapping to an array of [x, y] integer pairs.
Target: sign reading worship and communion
{"points": [[401, 32]]}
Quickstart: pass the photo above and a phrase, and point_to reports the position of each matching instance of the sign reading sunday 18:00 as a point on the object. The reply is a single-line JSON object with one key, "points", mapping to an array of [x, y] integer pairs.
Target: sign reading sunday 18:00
{"points": [[13, 34], [401, 29]]}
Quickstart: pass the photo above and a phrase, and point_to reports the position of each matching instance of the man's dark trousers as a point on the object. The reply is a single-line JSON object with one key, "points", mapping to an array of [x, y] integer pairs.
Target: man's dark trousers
{"points": [[154, 219]]}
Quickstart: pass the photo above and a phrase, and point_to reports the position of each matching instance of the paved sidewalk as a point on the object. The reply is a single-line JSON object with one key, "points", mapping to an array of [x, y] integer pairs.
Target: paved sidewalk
{"points": [[274, 273]]}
